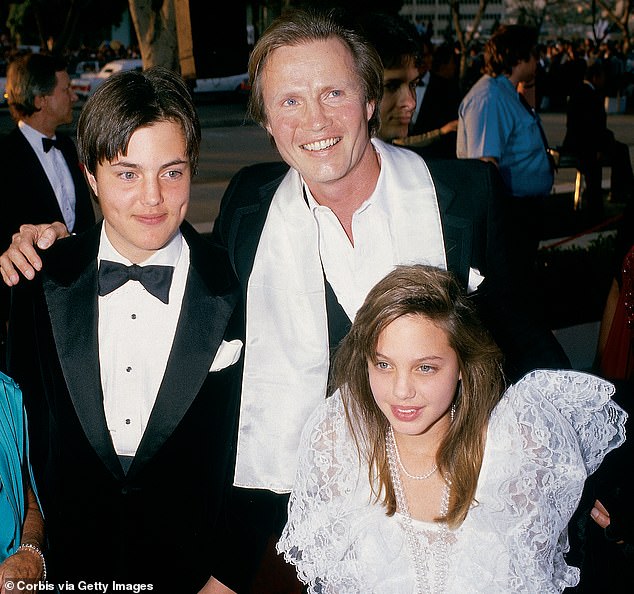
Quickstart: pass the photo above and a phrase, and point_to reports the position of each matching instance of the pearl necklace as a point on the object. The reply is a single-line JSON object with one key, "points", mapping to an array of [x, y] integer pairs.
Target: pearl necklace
{"points": [[416, 477], [440, 551]]}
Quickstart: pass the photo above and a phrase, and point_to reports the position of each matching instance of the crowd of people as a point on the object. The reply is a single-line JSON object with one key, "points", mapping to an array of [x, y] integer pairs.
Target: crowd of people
{"points": [[348, 372]]}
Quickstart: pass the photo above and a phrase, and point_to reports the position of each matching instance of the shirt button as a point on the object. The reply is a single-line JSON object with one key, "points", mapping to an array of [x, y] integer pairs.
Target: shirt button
{"points": [[127, 421], [128, 369], [133, 316]]}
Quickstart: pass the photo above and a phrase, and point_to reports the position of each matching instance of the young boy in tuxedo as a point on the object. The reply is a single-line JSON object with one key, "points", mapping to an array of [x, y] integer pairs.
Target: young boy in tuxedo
{"points": [[126, 352]]}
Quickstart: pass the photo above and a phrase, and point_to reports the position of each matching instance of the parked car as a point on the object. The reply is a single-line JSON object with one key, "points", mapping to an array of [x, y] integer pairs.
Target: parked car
{"points": [[83, 67], [237, 83], [87, 83]]}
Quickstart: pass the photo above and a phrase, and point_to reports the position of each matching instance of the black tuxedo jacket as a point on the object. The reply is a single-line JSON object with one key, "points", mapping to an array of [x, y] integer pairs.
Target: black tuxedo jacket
{"points": [[27, 195], [160, 523], [586, 124]]}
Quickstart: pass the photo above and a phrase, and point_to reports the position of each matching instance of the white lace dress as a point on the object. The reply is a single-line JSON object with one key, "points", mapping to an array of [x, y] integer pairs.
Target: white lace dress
{"points": [[549, 431]]}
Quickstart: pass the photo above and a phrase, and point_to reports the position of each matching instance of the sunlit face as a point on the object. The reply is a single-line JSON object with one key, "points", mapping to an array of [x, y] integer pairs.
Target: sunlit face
{"points": [[399, 100], [144, 195], [415, 376], [316, 110], [58, 106]]}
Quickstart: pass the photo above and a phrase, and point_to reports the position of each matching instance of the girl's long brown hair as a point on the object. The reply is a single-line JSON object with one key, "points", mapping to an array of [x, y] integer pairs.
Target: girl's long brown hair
{"points": [[436, 295]]}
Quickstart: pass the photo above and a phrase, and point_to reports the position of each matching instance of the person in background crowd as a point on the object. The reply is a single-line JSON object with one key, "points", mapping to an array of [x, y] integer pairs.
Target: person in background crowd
{"points": [[21, 523], [42, 181], [589, 139], [398, 48], [438, 98], [497, 125]]}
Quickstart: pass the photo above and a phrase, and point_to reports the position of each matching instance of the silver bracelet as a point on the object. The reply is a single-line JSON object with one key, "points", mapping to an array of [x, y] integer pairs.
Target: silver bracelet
{"points": [[35, 549]]}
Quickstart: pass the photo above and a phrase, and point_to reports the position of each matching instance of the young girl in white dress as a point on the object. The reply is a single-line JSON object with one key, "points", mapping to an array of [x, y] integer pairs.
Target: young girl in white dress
{"points": [[422, 474]]}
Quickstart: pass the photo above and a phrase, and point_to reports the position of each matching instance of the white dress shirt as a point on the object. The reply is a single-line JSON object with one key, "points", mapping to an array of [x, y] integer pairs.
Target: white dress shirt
{"points": [[57, 172], [353, 270], [136, 332]]}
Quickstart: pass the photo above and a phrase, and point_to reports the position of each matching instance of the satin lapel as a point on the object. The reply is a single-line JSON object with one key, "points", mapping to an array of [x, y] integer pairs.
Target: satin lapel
{"points": [[457, 233], [73, 312], [246, 229], [201, 327]]}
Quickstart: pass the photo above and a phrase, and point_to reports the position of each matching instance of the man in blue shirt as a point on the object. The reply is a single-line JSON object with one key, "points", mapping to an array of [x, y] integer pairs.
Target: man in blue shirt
{"points": [[497, 124]]}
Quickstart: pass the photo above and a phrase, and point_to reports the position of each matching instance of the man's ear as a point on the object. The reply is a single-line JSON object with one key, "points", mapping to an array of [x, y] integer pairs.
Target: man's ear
{"points": [[92, 182], [370, 107], [39, 101]]}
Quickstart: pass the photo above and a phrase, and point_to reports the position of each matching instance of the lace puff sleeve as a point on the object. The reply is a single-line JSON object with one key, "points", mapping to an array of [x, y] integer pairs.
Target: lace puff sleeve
{"points": [[339, 541], [547, 434]]}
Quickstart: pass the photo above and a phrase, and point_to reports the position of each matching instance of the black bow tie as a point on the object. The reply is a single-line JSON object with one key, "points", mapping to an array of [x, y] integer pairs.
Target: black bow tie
{"points": [[155, 279], [49, 143]]}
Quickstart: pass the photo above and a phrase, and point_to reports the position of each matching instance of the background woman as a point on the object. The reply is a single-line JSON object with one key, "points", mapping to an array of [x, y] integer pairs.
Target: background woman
{"points": [[21, 523]]}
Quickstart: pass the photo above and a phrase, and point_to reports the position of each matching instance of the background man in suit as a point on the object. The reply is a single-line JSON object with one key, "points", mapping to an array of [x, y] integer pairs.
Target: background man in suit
{"points": [[119, 348], [42, 180], [593, 143], [309, 237], [437, 100]]}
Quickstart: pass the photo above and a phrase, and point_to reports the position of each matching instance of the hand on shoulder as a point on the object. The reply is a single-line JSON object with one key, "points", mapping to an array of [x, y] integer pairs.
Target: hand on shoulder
{"points": [[21, 255]]}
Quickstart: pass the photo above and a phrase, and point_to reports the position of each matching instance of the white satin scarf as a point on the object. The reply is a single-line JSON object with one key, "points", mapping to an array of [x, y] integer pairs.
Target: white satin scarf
{"points": [[287, 356]]}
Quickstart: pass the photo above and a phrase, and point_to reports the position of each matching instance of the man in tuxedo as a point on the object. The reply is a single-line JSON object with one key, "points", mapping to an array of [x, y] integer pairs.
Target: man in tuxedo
{"points": [[126, 347], [310, 236], [42, 180], [437, 99], [594, 144]]}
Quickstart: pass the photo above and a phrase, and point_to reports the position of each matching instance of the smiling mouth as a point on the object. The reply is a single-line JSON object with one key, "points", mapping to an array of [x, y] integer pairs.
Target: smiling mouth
{"points": [[321, 145], [406, 413]]}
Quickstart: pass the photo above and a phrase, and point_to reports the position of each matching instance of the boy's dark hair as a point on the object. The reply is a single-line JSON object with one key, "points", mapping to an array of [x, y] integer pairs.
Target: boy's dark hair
{"points": [[131, 100]]}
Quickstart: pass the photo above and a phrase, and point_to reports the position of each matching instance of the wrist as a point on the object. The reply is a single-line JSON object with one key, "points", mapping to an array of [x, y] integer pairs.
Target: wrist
{"points": [[36, 551]]}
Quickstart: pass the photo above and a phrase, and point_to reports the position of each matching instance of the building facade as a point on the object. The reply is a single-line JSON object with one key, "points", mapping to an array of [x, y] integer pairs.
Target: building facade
{"points": [[437, 12]]}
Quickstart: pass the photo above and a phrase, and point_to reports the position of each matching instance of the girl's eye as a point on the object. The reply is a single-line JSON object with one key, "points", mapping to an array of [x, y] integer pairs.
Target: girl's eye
{"points": [[382, 365], [426, 368]]}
